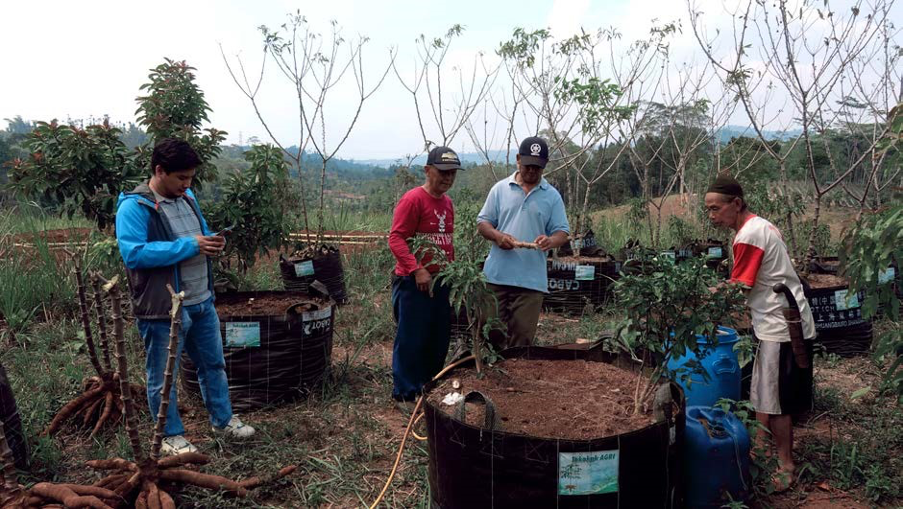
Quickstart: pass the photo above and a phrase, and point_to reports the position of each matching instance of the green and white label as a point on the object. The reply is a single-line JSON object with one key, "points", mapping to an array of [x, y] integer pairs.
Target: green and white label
{"points": [[714, 252], [886, 276], [586, 473], [243, 334], [845, 300], [305, 268], [584, 273]]}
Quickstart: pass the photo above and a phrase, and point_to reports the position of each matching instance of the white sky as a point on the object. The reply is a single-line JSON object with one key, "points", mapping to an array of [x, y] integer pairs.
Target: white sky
{"points": [[65, 59]]}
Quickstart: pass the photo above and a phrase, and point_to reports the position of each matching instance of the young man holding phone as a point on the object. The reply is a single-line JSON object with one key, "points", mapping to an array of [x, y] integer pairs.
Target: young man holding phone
{"points": [[163, 239]]}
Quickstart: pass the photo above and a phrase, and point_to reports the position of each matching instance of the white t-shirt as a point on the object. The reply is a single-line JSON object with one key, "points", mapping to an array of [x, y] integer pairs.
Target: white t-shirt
{"points": [[760, 261]]}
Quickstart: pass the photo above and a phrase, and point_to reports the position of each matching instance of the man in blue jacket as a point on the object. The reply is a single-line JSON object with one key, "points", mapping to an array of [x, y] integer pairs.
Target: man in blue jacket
{"points": [[163, 238]]}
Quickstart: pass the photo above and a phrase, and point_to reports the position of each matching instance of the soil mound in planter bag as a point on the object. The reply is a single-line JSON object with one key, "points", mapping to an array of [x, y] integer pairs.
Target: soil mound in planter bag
{"points": [[494, 448], [277, 346], [575, 282], [299, 272], [840, 325], [12, 423]]}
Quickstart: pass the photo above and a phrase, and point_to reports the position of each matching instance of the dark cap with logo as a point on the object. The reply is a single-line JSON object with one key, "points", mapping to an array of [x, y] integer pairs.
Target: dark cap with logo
{"points": [[443, 158], [534, 152]]}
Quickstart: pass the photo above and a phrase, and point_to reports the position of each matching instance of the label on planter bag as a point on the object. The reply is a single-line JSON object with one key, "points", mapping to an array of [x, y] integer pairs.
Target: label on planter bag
{"points": [[585, 473], [584, 272], [844, 300], [243, 334], [305, 268], [317, 320], [714, 252], [886, 276]]}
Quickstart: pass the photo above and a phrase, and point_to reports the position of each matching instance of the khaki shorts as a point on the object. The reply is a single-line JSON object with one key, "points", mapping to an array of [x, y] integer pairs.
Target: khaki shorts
{"points": [[778, 385]]}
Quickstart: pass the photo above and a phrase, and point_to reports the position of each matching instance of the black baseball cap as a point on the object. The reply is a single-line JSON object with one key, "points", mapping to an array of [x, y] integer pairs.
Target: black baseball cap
{"points": [[443, 158], [534, 152]]}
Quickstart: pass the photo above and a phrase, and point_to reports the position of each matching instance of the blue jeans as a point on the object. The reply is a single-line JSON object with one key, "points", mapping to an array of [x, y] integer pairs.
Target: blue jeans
{"points": [[200, 336], [422, 337]]}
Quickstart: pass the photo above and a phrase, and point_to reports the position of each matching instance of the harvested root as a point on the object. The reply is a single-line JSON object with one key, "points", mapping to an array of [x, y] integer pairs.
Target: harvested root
{"points": [[139, 483], [256, 481], [100, 404], [46, 495]]}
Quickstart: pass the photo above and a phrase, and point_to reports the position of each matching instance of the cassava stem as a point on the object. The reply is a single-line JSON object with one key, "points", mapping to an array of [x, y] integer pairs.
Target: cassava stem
{"points": [[175, 326], [86, 322], [112, 289], [101, 320]]}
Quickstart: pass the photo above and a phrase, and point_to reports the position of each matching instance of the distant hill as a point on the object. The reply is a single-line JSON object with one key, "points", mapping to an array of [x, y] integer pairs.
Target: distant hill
{"points": [[732, 131], [467, 158], [362, 166]]}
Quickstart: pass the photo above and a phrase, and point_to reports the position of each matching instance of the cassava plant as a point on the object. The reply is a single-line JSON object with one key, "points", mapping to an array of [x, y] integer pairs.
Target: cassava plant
{"points": [[99, 404], [871, 258], [670, 305], [146, 481], [467, 284]]}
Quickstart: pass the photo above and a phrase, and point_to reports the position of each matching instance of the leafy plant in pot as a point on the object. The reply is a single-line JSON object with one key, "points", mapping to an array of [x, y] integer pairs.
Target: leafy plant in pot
{"points": [[670, 305], [468, 290], [255, 202]]}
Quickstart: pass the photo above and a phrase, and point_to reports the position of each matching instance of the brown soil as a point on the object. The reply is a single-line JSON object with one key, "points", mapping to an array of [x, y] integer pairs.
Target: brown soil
{"points": [[267, 306], [61, 235], [825, 281], [575, 400]]}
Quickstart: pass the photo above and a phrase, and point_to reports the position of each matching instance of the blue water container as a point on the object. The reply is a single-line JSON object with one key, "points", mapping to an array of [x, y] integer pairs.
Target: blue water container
{"points": [[716, 458], [720, 362]]}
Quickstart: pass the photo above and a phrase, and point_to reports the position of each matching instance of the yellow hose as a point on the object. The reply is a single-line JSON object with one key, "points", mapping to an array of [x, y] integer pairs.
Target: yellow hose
{"points": [[411, 421]]}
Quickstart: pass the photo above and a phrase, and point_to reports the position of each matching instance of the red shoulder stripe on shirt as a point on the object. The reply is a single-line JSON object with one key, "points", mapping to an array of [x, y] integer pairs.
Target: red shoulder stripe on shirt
{"points": [[747, 260]]}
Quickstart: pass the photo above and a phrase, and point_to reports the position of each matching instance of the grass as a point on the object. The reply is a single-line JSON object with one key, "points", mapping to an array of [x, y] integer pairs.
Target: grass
{"points": [[28, 217]]}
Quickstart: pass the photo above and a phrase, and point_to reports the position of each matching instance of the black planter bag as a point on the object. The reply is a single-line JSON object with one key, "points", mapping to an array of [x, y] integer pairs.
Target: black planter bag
{"points": [[486, 467], [574, 285], [287, 355], [12, 423], [298, 273], [840, 325]]}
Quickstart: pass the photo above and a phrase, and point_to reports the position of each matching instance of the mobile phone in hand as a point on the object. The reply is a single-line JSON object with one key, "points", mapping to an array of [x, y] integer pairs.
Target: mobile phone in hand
{"points": [[225, 230]]}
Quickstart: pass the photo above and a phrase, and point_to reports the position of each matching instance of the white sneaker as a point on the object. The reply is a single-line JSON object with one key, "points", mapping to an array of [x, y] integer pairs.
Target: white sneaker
{"points": [[175, 445], [235, 428]]}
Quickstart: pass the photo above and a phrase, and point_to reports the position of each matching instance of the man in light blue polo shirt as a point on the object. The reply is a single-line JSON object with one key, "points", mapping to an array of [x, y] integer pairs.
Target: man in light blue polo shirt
{"points": [[523, 207]]}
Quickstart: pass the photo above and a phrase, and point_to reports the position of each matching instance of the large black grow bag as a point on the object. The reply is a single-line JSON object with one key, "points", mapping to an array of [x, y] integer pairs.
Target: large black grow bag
{"points": [[574, 284], [472, 467], [12, 423], [285, 357], [298, 273], [840, 325]]}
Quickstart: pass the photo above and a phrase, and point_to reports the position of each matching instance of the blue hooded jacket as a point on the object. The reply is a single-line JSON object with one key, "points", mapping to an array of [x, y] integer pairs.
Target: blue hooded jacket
{"points": [[151, 252]]}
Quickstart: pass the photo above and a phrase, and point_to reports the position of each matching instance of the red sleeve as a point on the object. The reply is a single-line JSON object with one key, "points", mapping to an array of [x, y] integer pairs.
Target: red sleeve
{"points": [[747, 260], [404, 225]]}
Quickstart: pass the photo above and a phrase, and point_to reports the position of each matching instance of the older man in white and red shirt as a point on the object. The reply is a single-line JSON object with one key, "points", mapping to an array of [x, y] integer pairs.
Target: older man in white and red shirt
{"points": [[779, 388], [422, 313]]}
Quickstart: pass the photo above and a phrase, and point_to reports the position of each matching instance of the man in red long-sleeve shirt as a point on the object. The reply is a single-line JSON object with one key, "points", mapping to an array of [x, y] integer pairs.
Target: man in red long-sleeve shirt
{"points": [[422, 314]]}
